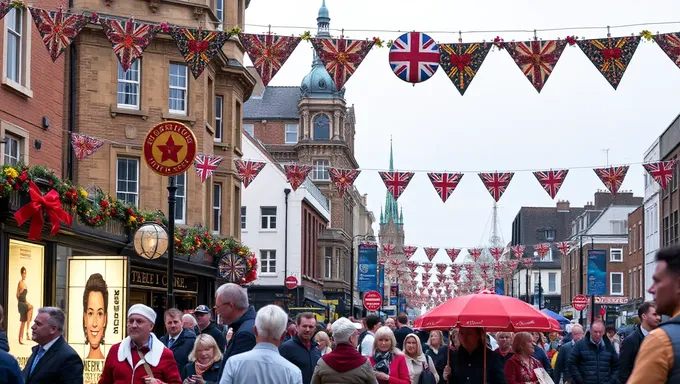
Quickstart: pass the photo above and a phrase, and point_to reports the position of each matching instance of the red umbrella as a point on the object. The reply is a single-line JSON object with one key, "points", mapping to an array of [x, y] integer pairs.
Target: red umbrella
{"points": [[485, 309]]}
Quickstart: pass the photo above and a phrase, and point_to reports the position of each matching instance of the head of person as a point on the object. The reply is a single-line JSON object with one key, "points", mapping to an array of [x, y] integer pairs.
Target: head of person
{"points": [[597, 331], [306, 326], [536, 337], [470, 338], [292, 327], [140, 322], [205, 351], [412, 347], [611, 332], [454, 338], [189, 321], [577, 332], [95, 310], [48, 325], [23, 273], [666, 281], [231, 302], [390, 323], [230, 333], [647, 314], [203, 316], [373, 322], [322, 338], [173, 321], [270, 325], [523, 344], [504, 340], [384, 341], [436, 339], [402, 320], [345, 332]]}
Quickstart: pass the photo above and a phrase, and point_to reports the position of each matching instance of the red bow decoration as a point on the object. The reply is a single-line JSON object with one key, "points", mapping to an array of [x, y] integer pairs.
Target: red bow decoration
{"points": [[611, 54], [196, 46], [461, 61], [50, 203]]}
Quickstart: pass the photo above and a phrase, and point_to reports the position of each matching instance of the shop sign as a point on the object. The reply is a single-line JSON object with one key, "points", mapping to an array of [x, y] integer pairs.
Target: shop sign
{"points": [[610, 300], [97, 287], [169, 148], [159, 279]]}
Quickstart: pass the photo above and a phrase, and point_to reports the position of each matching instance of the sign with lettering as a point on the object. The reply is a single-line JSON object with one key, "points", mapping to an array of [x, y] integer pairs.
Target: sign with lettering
{"points": [[159, 279], [610, 300], [169, 148]]}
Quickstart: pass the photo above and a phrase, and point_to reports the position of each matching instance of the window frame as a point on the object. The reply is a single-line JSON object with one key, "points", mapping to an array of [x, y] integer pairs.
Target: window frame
{"points": [[183, 196], [611, 283], [611, 255], [554, 283], [320, 168], [126, 193], [138, 84], [244, 218], [13, 160], [319, 116], [328, 263], [217, 224], [269, 262], [185, 89], [286, 133], [219, 119], [269, 219], [22, 86]]}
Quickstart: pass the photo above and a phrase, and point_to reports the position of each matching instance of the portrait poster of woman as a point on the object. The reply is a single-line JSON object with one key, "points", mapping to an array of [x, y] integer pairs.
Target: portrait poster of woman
{"points": [[25, 287], [96, 308]]}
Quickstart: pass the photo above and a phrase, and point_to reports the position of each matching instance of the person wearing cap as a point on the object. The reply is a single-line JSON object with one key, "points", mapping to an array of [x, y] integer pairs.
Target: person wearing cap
{"points": [[140, 358], [206, 325]]}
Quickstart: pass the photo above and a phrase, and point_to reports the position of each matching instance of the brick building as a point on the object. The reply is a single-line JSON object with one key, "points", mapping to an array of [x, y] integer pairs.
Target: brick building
{"points": [[635, 261], [669, 148]]}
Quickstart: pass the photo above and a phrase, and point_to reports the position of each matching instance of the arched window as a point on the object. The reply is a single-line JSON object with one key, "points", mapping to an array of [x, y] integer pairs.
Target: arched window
{"points": [[322, 127]]}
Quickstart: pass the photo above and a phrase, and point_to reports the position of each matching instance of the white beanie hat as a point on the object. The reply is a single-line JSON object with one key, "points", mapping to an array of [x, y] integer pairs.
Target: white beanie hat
{"points": [[143, 310]]}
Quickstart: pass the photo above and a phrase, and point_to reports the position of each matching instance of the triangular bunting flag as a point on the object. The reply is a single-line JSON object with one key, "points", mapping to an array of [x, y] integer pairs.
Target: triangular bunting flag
{"points": [[610, 56], [612, 177], [536, 58], [198, 46], [453, 253], [268, 52], [461, 62], [409, 250], [528, 262], [396, 182], [661, 171], [84, 146], [496, 252], [297, 174], [430, 252], [542, 249], [247, 171], [58, 29], [563, 246], [128, 38], [496, 183], [668, 42], [206, 165], [388, 249], [343, 178], [445, 183], [341, 57], [4, 8], [518, 251], [475, 253], [551, 180]]}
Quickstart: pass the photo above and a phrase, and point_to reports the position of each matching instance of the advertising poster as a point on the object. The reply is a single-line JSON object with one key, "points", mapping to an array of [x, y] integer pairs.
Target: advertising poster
{"points": [[394, 294], [368, 267], [25, 287], [499, 286], [597, 272], [381, 280], [96, 309]]}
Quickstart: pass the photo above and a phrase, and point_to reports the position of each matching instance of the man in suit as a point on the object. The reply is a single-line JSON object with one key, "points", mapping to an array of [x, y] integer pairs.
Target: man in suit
{"points": [[52, 360], [180, 341]]}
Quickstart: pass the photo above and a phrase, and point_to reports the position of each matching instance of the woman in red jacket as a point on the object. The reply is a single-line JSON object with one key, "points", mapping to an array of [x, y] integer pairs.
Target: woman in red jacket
{"points": [[520, 368], [388, 361]]}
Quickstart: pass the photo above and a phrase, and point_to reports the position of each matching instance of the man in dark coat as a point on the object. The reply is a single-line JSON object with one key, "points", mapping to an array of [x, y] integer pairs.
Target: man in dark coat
{"points": [[302, 350], [402, 330], [180, 341], [561, 371], [593, 360], [206, 325], [53, 361], [10, 373], [631, 344], [4, 345], [466, 364]]}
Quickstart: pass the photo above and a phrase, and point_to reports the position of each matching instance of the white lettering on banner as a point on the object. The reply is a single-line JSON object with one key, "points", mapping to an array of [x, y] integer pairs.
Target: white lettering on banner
{"points": [[525, 323], [610, 300], [473, 323]]}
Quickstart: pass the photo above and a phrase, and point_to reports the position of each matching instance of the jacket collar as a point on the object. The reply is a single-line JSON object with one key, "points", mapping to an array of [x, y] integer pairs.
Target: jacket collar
{"points": [[153, 357], [248, 315], [298, 341]]}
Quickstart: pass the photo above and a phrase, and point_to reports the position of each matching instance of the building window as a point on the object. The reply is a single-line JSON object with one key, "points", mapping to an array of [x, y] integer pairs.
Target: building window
{"points": [[619, 227], [641, 285], [616, 255], [338, 272], [321, 170], [217, 208], [640, 235], [328, 263], [549, 234], [219, 121], [13, 146], [177, 101], [268, 261], [17, 50], [127, 180], [552, 282], [268, 217], [128, 86], [616, 283], [291, 133], [219, 12], [322, 127], [250, 128], [181, 199], [243, 218]]}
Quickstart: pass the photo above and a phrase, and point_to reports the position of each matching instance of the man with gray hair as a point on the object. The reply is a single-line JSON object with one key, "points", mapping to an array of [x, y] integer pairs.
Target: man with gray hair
{"points": [[561, 372], [52, 360], [263, 364]]}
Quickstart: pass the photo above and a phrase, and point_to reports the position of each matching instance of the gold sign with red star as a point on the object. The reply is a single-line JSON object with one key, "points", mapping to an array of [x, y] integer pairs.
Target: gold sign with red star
{"points": [[169, 148]]}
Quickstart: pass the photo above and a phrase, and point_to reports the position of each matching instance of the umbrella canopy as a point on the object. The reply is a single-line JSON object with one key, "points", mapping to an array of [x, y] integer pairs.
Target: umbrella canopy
{"points": [[487, 310], [560, 319]]}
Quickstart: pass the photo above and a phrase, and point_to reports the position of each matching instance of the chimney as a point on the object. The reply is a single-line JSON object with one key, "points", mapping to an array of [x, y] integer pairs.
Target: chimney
{"points": [[589, 206], [563, 206]]}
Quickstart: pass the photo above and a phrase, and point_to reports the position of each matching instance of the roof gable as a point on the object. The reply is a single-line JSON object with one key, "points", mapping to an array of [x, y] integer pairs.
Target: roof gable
{"points": [[275, 103]]}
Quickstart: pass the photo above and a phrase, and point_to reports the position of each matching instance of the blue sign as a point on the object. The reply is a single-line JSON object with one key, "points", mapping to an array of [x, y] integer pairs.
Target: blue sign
{"points": [[381, 280], [394, 294], [597, 272], [402, 304], [499, 286], [367, 279]]}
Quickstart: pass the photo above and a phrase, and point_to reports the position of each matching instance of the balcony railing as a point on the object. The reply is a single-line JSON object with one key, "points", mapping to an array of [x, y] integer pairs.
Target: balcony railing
{"points": [[316, 193]]}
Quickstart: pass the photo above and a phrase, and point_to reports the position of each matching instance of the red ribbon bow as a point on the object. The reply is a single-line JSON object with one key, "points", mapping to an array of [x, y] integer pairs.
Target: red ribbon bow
{"points": [[611, 54], [196, 46], [461, 61], [50, 203]]}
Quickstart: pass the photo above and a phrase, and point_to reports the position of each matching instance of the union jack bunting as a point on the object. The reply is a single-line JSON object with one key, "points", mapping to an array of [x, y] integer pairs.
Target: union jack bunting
{"points": [[128, 38], [441, 267], [58, 29], [455, 268], [296, 174], [514, 264], [496, 252], [396, 182], [382, 260], [518, 251], [430, 290], [430, 252], [461, 62], [427, 266], [84, 146], [412, 265], [5, 6], [425, 276], [233, 267], [388, 249], [198, 46], [444, 183], [247, 171], [268, 52], [341, 57], [343, 178], [206, 165], [440, 277], [413, 275], [661, 171], [528, 262], [668, 42], [409, 250], [453, 253], [414, 57], [551, 180], [610, 56], [496, 183], [542, 249], [475, 253], [563, 246], [612, 177], [469, 268], [536, 58]]}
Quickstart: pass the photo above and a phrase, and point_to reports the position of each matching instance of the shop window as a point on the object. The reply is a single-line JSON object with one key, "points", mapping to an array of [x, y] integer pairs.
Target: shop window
{"points": [[268, 217], [129, 86], [17, 50], [219, 120], [127, 180], [181, 199], [217, 208], [268, 261], [177, 100], [616, 283]]}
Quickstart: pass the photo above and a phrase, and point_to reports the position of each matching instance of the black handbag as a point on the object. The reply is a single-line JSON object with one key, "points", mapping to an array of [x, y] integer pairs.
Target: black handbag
{"points": [[427, 377]]}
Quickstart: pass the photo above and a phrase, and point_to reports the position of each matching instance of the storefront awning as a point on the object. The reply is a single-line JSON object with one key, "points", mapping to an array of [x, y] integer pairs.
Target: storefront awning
{"points": [[317, 303]]}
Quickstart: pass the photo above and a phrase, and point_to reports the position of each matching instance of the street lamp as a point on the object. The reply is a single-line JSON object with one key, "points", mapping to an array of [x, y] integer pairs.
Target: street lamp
{"points": [[540, 286], [151, 241]]}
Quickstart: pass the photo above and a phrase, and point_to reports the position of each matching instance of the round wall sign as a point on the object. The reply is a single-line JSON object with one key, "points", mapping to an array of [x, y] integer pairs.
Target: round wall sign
{"points": [[169, 148]]}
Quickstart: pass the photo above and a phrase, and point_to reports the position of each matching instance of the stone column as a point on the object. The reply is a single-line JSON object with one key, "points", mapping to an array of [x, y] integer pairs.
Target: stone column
{"points": [[305, 125], [336, 125]]}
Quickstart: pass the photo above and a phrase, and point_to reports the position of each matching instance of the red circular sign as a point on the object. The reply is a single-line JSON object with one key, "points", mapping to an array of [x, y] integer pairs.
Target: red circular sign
{"points": [[372, 300], [291, 282], [580, 302], [169, 148]]}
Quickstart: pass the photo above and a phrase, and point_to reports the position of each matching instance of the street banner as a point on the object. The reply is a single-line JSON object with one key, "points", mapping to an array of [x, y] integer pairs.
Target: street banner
{"points": [[368, 267], [394, 294], [499, 287], [597, 272]]}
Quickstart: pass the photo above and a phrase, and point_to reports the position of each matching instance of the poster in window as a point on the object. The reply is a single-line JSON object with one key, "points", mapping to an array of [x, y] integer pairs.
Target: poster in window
{"points": [[25, 287], [96, 309]]}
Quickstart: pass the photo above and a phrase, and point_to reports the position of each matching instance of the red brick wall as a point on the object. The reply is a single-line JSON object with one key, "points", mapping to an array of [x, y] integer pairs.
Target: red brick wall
{"points": [[271, 132], [312, 226], [636, 251]]}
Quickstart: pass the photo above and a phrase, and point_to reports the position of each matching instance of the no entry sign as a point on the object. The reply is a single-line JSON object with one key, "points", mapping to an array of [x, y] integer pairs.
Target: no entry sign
{"points": [[580, 302], [372, 300], [291, 282]]}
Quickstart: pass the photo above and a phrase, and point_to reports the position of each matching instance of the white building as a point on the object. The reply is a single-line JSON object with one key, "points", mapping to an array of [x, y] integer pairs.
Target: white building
{"points": [[651, 218]]}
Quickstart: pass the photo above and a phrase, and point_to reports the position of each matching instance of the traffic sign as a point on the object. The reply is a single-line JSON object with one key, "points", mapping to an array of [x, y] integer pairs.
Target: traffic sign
{"points": [[580, 302], [372, 300], [291, 282], [169, 148]]}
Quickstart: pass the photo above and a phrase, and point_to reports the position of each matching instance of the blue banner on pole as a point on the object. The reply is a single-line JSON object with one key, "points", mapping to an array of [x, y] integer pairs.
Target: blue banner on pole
{"points": [[499, 286], [597, 272], [402, 303], [394, 294], [367, 279], [381, 280]]}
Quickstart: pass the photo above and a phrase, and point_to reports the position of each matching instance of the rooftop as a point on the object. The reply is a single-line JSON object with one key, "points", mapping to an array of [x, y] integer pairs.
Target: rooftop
{"points": [[275, 103]]}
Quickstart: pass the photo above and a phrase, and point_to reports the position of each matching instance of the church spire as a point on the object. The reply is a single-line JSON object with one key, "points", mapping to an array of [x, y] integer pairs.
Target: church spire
{"points": [[391, 156], [391, 205]]}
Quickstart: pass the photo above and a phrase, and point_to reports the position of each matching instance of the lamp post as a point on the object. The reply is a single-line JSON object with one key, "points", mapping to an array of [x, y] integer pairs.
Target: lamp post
{"points": [[151, 242], [540, 285], [351, 277]]}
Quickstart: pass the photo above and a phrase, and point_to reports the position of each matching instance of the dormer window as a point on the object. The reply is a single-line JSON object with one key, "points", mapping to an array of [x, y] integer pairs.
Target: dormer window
{"points": [[322, 127]]}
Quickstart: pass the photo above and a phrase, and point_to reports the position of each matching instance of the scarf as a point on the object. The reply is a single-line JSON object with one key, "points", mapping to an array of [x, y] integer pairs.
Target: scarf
{"points": [[382, 361], [201, 368], [344, 358]]}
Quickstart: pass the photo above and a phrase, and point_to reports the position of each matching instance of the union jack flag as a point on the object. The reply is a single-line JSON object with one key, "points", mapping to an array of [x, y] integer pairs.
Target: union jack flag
{"points": [[388, 249], [268, 52], [427, 266], [528, 262], [612, 177], [58, 29], [5, 7], [475, 253], [551, 180], [518, 251], [396, 182], [441, 267], [343, 178], [296, 174], [413, 274], [661, 171], [514, 264], [563, 246], [444, 183], [542, 249], [453, 253], [425, 277], [412, 265], [536, 58], [414, 57], [409, 250], [206, 165], [128, 38], [247, 171], [668, 42], [496, 252], [341, 57], [430, 252], [496, 183], [233, 267]]}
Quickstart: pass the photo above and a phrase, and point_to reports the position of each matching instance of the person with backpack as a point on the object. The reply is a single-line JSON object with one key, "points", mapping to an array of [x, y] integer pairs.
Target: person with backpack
{"points": [[372, 324]]}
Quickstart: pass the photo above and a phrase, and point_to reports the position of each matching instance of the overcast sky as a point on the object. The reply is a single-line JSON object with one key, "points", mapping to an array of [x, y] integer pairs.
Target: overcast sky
{"points": [[501, 123]]}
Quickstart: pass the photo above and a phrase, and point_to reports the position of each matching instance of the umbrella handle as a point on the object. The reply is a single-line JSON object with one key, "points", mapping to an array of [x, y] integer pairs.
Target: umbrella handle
{"points": [[484, 350]]}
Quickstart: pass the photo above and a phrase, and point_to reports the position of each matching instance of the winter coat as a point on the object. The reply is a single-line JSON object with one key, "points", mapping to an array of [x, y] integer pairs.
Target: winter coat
{"points": [[468, 368], [561, 363], [399, 373], [342, 359], [629, 350], [216, 334], [4, 345], [302, 357], [211, 374], [123, 365], [242, 340], [540, 355], [593, 364], [182, 347], [439, 359]]}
